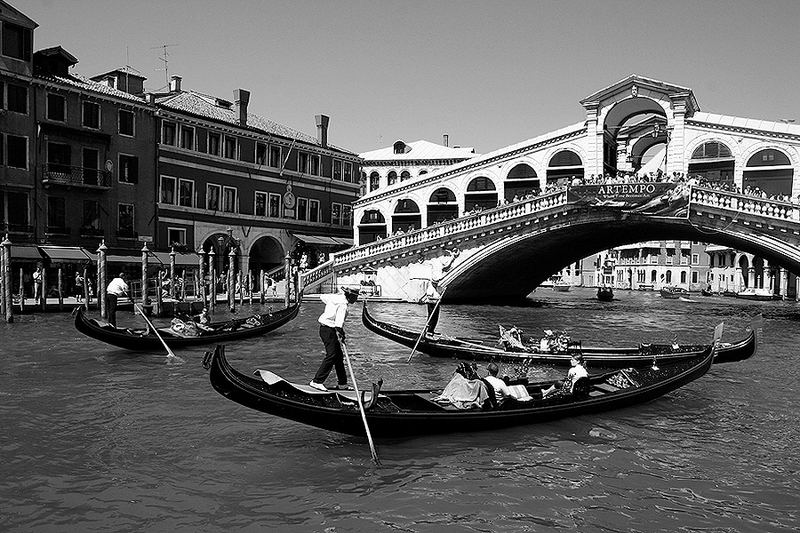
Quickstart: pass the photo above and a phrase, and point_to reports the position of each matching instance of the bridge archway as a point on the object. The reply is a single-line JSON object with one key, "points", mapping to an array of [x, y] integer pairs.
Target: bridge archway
{"points": [[371, 227], [770, 170], [521, 180], [563, 166], [222, 244], [714, 161], [481, 192], [266, 253], [626, 117], [407, 216], [442, 206]]}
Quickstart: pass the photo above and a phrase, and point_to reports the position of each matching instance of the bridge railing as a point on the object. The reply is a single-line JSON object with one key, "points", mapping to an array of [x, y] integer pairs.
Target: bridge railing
{"points": [[453, 227], [746, 204], [320, 272]]}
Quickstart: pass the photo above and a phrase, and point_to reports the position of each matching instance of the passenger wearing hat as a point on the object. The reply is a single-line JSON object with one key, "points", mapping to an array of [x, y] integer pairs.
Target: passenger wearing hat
{"points": [[575, 373], [331, 330]]}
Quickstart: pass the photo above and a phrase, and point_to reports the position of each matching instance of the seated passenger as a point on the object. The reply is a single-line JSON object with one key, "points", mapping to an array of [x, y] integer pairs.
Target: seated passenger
{"points": [[202, 321], [501, 390], [575, 373]]}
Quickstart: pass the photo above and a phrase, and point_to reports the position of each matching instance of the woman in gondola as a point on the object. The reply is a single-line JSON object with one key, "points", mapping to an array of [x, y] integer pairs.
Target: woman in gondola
{"points": [[576, 372]]}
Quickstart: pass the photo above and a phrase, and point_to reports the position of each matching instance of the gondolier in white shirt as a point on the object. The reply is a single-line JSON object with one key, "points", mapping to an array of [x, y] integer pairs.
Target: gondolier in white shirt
{"points": [[431, 299], [116, 288], [331, 328]]}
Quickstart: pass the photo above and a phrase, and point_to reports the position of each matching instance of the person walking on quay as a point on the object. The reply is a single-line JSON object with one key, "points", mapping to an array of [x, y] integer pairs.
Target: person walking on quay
{"points": [[116, 288], [78, 286], [37, 283], [331, 331]]}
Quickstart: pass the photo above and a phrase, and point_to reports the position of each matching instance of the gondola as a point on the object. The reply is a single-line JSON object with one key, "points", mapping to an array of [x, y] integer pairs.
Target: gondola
{"points": [[405, 413], [445, 346], [674, 293], [146, 340], [605, 294]]}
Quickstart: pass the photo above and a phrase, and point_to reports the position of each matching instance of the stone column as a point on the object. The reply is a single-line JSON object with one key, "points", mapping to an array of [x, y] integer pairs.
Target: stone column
{"points": [[101, 279], [766, 279], [676, 134], [594, 141], [784, 281]]}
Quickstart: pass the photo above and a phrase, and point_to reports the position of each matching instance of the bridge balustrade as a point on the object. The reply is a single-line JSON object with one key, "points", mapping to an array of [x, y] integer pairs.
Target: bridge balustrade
{"points": [[482, 219], [746, 204]]}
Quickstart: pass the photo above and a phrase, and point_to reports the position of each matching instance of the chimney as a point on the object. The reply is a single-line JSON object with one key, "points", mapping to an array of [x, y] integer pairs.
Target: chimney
{"points": [[322, 129], [240, 100], [446, 139], [175, 84]]}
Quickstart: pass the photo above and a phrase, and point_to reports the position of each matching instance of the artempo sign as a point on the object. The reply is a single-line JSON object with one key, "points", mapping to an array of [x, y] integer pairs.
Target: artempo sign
{"points": [[618, 194]]}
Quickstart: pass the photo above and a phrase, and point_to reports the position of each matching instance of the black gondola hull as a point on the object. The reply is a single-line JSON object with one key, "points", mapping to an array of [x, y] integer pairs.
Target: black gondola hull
{"points": [[454, 348], [256, 394], [123, 338]]}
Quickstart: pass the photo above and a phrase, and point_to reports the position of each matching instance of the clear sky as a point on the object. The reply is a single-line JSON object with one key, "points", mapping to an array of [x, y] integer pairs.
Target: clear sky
{"points": [[488, 73]]}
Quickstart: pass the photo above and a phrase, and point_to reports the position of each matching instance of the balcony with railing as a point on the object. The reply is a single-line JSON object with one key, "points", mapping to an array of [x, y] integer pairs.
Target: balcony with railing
{"points": [[66, 175]]}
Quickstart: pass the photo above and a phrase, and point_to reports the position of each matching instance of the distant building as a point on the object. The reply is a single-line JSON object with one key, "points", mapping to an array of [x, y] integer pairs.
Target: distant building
{"points": [[229, 180], [656, 264], [388, 170], [78, 157]]}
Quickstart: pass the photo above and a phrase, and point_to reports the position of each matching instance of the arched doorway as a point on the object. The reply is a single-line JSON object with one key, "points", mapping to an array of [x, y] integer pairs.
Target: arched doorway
{"points": [[743, 274], [407, 216], [372, 226], [564, 166], [442, 206], [222, 244], [265, 254], [770, 171], [520, 181], [713, 161], [481, 193]]}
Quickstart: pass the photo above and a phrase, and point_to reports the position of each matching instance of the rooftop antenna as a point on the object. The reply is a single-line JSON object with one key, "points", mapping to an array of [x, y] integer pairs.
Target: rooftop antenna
{"points": [[164, 59]]}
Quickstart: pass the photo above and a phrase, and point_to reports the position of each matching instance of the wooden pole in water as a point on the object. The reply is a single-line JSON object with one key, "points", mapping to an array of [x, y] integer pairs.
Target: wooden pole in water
{"points": [[183, 285], [202, 276], [172, 272], [250, 286], [159, 297], [43, 290], [100, 290], [8, 308], [60, 290], [231, 281], [3, 300], [261, 285], [21, 290], [86, 287], [212, 277], [145, 298], [287, 278]]}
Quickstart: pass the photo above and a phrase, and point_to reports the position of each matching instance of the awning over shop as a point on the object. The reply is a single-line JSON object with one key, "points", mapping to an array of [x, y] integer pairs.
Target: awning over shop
{"points": [[25, 252], [182, 260], [324, 240], [65, 253]]}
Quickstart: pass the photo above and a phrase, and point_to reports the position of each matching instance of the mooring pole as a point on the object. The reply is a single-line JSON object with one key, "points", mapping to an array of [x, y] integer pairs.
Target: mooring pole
{"points": [[101, 279], [8, 307]]}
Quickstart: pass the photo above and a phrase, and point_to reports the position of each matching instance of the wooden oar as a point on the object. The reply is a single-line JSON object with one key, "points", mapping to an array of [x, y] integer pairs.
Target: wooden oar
{"points": [[425, 328], [171, 357], [358, 399]]}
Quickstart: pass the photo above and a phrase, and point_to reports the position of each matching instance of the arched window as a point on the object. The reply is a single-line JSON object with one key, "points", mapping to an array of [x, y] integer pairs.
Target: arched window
{"points": [[371, 227], [521, 180], [405, 175], [653, 276], [669, 276], [374, 181], [481, 194], [406, 206], [399, 147], [392, 178], [683, 276], [770, 171], [406, 216], [713, 161], [564, 166], [423, 172], [442, 206], [373, 217]]}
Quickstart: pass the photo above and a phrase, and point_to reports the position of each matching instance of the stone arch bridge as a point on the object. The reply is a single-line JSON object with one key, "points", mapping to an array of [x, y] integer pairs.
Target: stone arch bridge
{"points": [[503, 253]]}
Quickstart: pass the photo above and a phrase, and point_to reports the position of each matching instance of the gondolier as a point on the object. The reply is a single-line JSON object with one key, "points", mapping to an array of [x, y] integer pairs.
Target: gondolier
{"points": [[116, 288], [431, 299], [331, 328]]}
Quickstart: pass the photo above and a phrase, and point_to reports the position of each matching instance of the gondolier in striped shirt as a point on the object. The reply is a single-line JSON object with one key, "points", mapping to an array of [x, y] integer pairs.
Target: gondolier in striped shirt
{"points": [[331, 328]]}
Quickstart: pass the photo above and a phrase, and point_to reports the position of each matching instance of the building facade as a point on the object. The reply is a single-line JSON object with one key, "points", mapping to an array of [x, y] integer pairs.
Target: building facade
{"points": [[229, 180]]}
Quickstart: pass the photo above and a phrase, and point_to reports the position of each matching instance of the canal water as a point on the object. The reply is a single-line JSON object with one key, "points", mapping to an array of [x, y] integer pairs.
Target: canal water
{"points": [[94, 438]]}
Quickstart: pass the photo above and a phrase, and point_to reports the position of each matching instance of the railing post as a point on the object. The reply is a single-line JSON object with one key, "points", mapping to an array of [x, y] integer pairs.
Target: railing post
{"points": [[6, 273]]}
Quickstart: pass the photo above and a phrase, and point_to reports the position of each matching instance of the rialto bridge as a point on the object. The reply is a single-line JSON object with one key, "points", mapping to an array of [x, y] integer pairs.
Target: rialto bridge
{"points": [[636, 124]]}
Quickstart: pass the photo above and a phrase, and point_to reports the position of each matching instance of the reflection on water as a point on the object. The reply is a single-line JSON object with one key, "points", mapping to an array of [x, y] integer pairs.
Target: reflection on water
{"points": [[96, 438]]}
